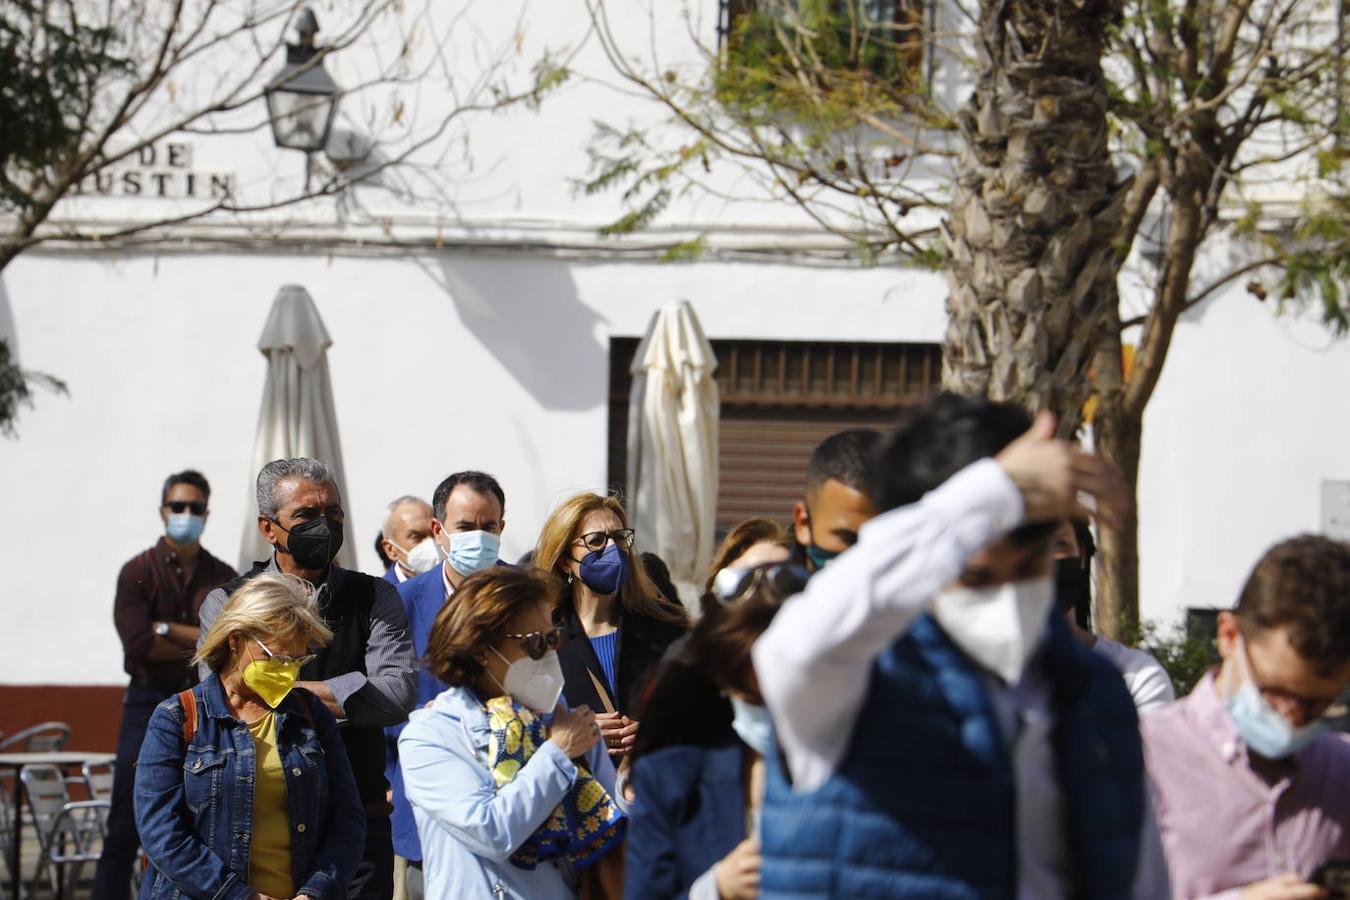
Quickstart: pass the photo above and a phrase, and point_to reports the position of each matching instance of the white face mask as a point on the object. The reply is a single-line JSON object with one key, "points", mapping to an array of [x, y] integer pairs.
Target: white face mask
{"points": [[999, 627], [422, 558], [537, 683]]}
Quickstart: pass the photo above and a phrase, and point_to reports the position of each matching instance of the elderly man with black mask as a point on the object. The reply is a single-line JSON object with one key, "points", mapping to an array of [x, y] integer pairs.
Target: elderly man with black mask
{"points": [[366, 675]]}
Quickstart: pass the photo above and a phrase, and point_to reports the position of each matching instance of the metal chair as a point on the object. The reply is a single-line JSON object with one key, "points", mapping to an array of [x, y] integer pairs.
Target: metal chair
{"points": [[49, 737], [64, 845], [6, 828], [97, 779]]}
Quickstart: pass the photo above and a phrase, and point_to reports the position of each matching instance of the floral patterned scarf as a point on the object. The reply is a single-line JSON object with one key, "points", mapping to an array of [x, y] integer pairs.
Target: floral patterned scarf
{"points": [[584, 825]]}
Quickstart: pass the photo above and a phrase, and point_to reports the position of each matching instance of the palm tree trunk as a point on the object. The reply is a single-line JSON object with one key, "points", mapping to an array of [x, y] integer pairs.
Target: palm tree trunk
{"points": [[1035, 208]]}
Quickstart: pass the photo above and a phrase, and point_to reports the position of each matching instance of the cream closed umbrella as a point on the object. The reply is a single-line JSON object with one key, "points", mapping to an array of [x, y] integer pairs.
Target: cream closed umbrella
{"points": [[672, 446], [297, 416]]}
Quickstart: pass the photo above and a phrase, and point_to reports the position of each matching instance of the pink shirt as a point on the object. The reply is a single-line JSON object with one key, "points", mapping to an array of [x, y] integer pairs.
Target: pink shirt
{"points": [[1223, 826]]}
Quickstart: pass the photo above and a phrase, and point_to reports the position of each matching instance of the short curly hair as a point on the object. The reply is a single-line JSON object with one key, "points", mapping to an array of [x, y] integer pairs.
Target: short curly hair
{"points": [[1303, 584]]}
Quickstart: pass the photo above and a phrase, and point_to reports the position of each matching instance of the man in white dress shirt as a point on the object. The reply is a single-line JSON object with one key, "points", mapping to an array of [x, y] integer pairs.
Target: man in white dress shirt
{"points": [[943, 734]]}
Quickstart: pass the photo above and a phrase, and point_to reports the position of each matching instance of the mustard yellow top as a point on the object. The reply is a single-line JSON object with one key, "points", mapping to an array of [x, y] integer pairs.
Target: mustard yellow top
{"points": [[269, 859]]}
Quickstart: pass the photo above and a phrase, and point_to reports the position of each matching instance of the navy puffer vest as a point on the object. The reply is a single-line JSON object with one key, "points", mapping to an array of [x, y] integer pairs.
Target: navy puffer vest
{"points": [[922, 805]]}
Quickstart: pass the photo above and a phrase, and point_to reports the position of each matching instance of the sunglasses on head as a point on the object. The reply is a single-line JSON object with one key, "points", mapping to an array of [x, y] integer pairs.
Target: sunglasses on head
{"points": [[782, 579], [537, 643], [192, 506], [302, 661]]}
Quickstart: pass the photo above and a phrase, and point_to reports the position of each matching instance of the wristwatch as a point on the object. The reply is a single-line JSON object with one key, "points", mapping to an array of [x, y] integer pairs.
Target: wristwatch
{"points": [[162, 629]]}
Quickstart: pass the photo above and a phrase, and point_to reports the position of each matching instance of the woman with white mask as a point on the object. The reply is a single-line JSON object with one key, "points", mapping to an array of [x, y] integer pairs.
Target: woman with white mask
{"points": [[511, 791]]}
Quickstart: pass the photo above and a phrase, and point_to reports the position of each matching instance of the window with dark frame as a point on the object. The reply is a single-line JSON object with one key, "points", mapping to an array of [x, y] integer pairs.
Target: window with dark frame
{"points": [[896, 25]]}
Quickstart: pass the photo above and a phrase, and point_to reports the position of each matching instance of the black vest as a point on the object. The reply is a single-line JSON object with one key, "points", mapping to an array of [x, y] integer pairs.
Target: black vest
{"points": [[347, 614]]}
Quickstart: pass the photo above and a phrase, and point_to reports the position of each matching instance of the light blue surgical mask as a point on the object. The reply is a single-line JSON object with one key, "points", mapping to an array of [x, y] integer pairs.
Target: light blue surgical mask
{"points": [[752, 725], [1260, 725], [474, 551], [184, 528]]}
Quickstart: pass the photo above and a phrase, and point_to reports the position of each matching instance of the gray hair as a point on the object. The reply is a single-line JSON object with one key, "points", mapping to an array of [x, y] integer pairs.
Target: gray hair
{"points": [[394, 507], [279, 470]]}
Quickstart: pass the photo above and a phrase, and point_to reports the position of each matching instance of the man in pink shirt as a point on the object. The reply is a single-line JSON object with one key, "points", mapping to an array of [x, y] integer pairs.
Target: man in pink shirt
{"points": [[1251, 789]]}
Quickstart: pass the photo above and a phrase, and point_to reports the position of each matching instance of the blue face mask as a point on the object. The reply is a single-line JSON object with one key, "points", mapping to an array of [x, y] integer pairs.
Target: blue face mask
{"points": [[605, 571], [184, 528], [752, 725], [1261, 727], [473, 551]]}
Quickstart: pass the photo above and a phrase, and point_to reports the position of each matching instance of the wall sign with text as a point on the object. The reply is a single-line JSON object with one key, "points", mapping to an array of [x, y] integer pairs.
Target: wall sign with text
{"points": [[161, 171]]}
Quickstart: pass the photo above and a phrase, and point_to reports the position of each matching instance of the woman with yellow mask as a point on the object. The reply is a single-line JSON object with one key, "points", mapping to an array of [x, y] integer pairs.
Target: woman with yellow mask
{"points": [[243, 788]]}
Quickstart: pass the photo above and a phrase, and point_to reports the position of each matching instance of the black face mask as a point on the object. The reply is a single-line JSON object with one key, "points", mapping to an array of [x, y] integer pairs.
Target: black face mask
{"points": [[313, 544], [1073, 590]]}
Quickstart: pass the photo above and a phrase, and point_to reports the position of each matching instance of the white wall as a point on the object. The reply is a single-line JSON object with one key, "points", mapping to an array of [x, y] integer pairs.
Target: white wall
{"points": [[1247, 421], [439, 363]]}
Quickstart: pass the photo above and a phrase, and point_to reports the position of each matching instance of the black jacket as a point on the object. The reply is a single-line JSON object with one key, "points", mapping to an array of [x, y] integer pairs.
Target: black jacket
{"points": [[642, 643]]}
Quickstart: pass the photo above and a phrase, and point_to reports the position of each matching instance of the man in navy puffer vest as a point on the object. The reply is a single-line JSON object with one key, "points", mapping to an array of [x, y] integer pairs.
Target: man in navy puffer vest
{"points": [[942, 734]]}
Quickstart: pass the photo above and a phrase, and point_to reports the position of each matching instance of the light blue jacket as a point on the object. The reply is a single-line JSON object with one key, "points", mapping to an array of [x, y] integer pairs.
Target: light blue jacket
{"points": [[468, 827]]}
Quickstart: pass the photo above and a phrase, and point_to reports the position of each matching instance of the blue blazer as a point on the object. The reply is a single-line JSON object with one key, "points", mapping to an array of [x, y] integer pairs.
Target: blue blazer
{"points": [[423, 596], [690, 812], [389, 575]]}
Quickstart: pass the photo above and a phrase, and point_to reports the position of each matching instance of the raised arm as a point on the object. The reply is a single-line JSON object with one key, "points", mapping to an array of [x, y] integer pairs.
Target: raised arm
{"points": [[814, 661]]}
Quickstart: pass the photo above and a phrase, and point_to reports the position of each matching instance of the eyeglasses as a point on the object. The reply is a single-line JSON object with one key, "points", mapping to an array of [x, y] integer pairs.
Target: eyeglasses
{"points": [[178, 506], [596, 540], [1310, 708], [782, 579], [302, 661], [537, 643]]}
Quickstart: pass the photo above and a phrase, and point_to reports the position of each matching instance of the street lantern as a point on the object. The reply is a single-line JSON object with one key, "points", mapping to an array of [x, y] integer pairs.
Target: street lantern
{"points": [[302, 99]]}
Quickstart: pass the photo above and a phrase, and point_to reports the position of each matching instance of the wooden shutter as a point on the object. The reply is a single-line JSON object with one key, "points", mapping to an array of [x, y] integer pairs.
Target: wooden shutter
{"points": [[779, 399]]}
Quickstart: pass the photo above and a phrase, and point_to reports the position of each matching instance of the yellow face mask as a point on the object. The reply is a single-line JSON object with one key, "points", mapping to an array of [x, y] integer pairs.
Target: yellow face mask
{"points": [[272, 678]]}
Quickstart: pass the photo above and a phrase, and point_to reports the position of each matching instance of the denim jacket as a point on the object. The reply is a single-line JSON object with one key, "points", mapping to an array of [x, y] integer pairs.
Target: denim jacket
{"points": [[194, 804]]}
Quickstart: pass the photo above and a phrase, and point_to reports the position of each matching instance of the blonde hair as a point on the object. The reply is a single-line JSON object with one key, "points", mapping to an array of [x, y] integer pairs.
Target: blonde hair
{"points": [[638, 594], [270, 606]]}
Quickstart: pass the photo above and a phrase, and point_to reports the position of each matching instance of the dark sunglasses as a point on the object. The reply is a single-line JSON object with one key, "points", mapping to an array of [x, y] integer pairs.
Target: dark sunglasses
{"points": [[537, 643], [596, 540], [782, 579], [178, 506]]}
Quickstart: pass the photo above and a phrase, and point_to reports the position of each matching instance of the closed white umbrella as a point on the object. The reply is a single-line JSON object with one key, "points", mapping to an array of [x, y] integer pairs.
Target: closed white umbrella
{"points": [[672, 446], [297, 416]]}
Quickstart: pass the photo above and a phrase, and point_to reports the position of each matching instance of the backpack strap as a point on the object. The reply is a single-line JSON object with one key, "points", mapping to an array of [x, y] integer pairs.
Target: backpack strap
{"points": [[188, 700]]}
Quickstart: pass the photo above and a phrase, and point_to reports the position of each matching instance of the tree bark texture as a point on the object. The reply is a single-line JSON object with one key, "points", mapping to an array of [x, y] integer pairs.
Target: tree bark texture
{"points": [[1035, 208], [1117, 438]]}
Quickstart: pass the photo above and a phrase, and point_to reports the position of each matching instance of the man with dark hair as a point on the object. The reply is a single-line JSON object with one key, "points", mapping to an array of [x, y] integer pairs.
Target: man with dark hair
{"points": [[365, 675], [944, 734], [159, 593], [1253, 793], [468, 515], [826, 520], [1149, 684]]}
